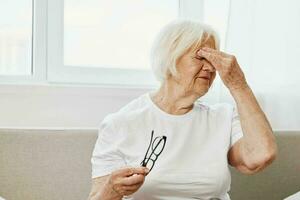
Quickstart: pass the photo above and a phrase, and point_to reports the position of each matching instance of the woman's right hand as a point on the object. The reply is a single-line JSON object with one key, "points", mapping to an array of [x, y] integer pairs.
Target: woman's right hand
{"points": [[124, 182]]}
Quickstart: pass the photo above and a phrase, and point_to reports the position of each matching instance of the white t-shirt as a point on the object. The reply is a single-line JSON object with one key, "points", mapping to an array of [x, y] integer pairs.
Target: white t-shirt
{"points": [[193, 164]]}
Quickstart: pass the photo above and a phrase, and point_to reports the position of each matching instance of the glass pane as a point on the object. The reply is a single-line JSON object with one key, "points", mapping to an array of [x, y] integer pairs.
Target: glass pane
{"points": [[115, 33], [15, 37]]}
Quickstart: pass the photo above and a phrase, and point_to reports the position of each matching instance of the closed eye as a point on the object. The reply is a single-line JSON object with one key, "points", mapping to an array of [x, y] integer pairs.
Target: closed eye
{"points": [[198, 58]]}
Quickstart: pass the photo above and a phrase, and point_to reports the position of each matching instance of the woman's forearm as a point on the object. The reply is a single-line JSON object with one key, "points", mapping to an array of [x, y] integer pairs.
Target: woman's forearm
{"points": [[104, 196], [109, 194], [105, 193], [259, 141]]}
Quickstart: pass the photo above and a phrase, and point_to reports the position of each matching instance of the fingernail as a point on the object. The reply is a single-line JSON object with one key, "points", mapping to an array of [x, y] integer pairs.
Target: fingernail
{"points": [[147, 170]]}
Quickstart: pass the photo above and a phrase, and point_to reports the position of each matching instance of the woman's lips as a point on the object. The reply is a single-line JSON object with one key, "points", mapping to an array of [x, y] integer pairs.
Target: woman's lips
{"points": [[204, 77]]}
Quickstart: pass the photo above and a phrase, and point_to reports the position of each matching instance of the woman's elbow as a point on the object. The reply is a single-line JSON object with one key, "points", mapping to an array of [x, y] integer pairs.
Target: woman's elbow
{"points": [[263, 160]]}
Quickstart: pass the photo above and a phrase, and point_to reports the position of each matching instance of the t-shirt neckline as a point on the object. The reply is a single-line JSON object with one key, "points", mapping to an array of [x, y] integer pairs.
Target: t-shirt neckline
{"points": [[168, 115]]}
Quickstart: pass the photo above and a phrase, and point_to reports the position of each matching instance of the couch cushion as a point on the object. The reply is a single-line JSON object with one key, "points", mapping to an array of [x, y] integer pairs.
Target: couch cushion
{"points": [[277, 181], [45, 165], [55, 165]]}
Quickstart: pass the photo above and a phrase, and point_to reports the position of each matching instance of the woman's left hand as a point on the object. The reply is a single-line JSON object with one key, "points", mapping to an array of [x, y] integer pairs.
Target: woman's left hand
{"points": [[227, 66]]}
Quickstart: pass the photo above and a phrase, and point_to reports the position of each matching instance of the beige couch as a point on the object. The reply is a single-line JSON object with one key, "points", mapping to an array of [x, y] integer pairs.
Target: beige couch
{"points": [[55, 165]]}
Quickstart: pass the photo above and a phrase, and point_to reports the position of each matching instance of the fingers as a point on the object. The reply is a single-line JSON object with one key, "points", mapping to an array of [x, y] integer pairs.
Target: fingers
{"points": [[140, 170], [132, 170], [128, 180], [215, 57], [132, 187], [212, 57], [131, 176], [227, 67], [132, 180], [221, 53]]}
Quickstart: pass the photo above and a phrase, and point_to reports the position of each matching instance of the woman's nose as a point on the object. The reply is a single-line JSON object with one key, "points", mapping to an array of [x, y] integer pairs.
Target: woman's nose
{"points": [[208, 67]]}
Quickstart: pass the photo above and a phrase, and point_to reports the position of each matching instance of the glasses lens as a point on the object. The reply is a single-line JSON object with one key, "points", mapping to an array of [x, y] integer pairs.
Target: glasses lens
{"points": [[158, 145], [150, 164]]}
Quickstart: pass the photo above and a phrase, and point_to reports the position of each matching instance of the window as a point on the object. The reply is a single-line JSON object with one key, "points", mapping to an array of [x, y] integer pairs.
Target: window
{"points": [[84, 41], [16, 37], [108, 42], [113, 34]]}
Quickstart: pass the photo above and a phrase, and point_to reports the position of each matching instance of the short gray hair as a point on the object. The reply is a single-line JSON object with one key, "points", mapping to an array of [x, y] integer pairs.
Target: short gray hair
{"points": [[173, 41]]}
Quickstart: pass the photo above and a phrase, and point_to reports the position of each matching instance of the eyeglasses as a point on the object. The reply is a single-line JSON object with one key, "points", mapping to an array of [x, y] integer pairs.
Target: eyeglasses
{"points": [[157, 146]]}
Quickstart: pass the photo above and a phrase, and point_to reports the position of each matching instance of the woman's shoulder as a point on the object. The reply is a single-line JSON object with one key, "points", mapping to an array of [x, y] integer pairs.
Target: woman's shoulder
{"points": [[133, 107]]}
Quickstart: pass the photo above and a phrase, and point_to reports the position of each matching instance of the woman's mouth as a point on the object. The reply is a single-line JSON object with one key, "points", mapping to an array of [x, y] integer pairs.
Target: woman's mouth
{"points": [[204, 77]]}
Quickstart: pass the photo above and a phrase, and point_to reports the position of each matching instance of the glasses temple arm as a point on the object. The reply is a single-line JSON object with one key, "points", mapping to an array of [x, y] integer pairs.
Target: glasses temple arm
{"points": [[144, 163]]}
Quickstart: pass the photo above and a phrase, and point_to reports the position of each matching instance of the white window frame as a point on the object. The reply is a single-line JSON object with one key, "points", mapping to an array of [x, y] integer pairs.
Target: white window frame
{"points": [[57, 72], [47, 53], [39, 48]]}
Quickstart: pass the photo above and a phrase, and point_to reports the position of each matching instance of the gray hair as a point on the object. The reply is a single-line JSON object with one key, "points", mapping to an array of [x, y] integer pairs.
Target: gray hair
{"points": [[173, 41]]}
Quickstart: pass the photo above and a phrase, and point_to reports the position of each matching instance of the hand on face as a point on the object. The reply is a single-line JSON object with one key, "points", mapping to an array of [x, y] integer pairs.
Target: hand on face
{"points": [[227, 67], [194, 73]]}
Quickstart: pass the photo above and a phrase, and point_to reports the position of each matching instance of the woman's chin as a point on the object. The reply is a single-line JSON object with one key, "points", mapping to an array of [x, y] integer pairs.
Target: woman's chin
{"points": [[202, 90]]}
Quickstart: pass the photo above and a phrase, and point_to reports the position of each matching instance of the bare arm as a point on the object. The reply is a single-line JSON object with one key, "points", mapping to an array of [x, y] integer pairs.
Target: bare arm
{"points": [[99, 192], [97, 185], [257, 148]]}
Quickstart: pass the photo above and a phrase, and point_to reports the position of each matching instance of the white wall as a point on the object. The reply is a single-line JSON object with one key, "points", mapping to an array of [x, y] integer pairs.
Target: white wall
{"points": [[264, 36], [60, 107]]}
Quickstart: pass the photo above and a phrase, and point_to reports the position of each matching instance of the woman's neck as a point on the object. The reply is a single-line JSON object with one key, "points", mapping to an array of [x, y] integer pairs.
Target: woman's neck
{"points": [[173, 99]]}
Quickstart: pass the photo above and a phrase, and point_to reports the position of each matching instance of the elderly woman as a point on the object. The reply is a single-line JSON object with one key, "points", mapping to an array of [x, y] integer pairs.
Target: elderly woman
{"points": [[191, 142]]}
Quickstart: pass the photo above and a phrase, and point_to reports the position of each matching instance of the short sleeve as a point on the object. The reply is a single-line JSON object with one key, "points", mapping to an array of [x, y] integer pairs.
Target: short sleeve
{"points": [[106, 156], [236, 129]]}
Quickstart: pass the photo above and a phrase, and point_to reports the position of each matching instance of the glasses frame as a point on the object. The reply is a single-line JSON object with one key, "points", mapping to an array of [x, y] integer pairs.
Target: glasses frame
{"points": [[152, 142]]}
